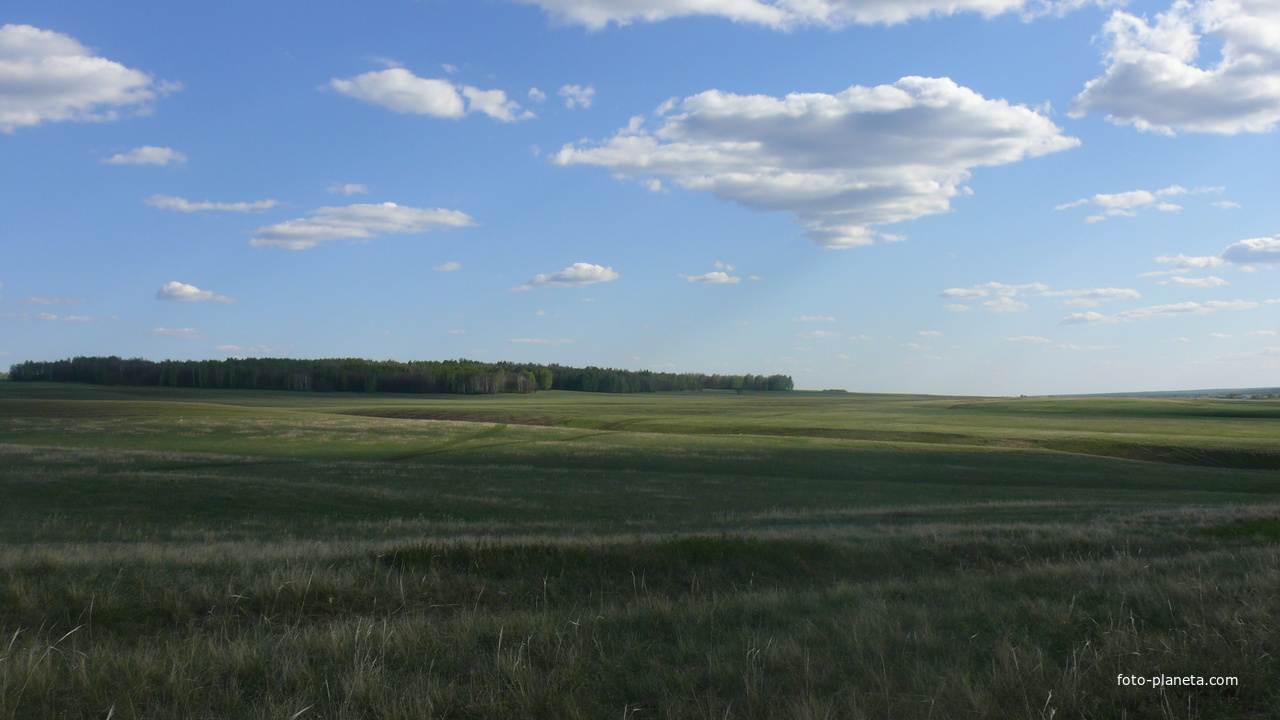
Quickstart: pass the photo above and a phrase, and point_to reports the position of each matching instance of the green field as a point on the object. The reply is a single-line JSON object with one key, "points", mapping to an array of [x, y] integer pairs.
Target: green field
{"points": [[230, 554]]}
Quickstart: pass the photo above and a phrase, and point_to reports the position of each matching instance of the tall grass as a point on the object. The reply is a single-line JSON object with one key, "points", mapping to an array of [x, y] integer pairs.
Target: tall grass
{"points": [[265, 562]]}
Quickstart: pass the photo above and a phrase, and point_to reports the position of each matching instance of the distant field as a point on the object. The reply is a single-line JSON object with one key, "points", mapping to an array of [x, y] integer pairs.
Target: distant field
{"points": [[181, 553]]}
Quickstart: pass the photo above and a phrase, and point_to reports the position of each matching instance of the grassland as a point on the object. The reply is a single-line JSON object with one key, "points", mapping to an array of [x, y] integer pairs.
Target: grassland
{"points": [[219, 554]]}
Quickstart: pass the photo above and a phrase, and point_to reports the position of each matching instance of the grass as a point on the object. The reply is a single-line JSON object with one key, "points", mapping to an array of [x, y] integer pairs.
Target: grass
{"points": [[208, 554]]}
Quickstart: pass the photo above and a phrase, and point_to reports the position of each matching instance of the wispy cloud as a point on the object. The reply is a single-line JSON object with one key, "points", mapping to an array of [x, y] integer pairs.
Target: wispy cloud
{"points": [[357, 222], [347, 189], [166, 202], [1154, 311], [146, 155], [181, 333]]}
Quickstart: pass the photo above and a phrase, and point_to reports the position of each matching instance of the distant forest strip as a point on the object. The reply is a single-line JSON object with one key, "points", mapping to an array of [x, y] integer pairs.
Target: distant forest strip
{"points": [[463, 377]]}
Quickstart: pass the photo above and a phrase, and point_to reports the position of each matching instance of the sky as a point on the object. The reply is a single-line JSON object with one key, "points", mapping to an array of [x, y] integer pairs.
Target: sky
{"points": [[992, 197]]}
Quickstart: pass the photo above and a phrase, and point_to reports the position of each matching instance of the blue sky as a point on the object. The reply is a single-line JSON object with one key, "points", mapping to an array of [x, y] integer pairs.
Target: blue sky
{"points": [[969, 196]]}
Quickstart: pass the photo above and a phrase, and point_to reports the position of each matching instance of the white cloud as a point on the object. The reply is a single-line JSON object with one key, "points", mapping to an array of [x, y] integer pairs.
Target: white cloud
{"points": [[537, 95], [1227, 205], [813, 318], [46, 76], [815, 334], [957, 308], [347, 189], [181, 333], [403, 92], [165, 202], [50, 317], [929, 333], [995, 288], [1254, 250], [1084, 318], [1005, 304], [965, 293], [577, 96], [714, 278], [843, 164], [182, 292], [448, 267], [576, 275], [1172, 310], [1094, 297], [789, 14], [242, 350], [1198, 263], [1126, 204], [1029, 340], [537, 341], [457, 332], [357, 222], [1220, 336], [1153, 82], [51, 301], [1260, 333], [1204, 282], [146, 155]]}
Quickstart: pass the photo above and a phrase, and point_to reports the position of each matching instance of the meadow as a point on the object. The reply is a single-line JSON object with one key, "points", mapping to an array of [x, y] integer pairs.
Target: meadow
{"points": [[172, 553]]}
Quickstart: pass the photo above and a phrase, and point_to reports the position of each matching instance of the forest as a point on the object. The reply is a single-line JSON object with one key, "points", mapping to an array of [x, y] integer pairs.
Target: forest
{"points": [[464, 377]]}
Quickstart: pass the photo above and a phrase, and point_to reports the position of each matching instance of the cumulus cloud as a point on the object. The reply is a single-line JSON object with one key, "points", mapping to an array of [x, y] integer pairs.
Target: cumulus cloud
{"points": [[789, 14], [347, 189], [576, 275], [1153, 81], [165, 202], [357, 222], [1154, 311], [46, 76], [1254, 250], [1127, 204], [1204, 282], [577, 96], [146, 155], [537, 95], [713, 278], [843, 164], [403, 92], [182, 292], [181, 333]]}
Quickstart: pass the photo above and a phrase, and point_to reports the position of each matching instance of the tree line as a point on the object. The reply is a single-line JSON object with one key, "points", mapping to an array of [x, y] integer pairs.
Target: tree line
{"points": [[464, 377]]}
